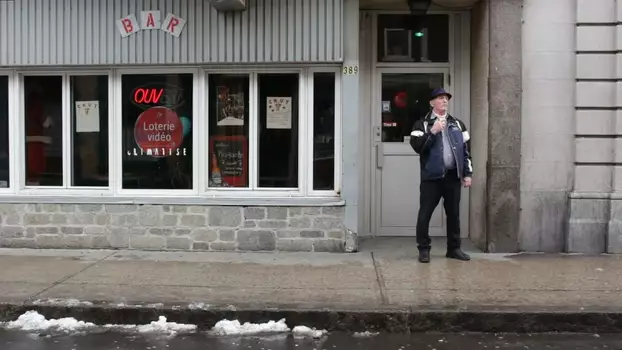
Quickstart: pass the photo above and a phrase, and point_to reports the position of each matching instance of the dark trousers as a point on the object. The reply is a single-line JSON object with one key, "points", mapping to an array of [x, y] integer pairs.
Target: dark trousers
{"points": [[448, 188]]}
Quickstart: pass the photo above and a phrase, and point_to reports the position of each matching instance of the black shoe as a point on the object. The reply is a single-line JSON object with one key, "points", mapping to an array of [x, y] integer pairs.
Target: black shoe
{"points": [[424, 256], [458, 255]]}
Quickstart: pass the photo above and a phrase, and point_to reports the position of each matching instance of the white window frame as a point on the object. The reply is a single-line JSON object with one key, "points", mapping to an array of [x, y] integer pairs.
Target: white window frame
{"points": [[117, 146], [10, 74], [67, 151], [253, 190], [310, 132], [68, 132], [199, 131]]}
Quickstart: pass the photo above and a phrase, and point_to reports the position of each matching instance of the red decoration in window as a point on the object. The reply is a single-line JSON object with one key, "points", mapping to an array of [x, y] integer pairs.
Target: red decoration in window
{"points": [[400, 99]]}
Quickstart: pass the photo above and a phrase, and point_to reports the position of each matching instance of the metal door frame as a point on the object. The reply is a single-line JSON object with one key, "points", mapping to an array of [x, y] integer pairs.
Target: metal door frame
{"points": [[376, 173]]}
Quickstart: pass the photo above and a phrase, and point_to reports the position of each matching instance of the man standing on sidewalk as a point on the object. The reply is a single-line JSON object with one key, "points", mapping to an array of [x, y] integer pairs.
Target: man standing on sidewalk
{"points": [[442, 143]]}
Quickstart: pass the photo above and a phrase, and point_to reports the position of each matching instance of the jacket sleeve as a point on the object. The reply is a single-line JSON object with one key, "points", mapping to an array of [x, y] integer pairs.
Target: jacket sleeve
{"points": [[466, 138], [420, 139]]}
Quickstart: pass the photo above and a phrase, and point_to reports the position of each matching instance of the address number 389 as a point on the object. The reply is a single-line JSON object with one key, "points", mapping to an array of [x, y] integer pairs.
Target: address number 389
{"points": [[350, 70]]}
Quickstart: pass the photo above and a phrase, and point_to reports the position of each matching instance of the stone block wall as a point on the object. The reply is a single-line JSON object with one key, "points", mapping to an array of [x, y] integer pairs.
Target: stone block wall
{"points": [[594, 225], [172, 227]]}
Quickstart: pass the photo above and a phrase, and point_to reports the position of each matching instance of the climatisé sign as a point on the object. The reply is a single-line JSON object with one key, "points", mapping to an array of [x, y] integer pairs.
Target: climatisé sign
{"points": [[150, 20]]}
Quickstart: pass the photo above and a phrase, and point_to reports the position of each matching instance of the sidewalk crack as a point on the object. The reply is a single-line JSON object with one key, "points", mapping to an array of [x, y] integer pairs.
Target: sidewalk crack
{"points": [[380, 280], [63, 280]]}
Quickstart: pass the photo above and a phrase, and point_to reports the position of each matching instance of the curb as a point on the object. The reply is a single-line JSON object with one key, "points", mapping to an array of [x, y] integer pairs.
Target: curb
{"points": [[394, 321]]}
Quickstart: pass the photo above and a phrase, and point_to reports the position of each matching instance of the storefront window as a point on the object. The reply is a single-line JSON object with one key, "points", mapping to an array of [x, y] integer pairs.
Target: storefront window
{"points": [[324, 131], [413, 38], [4, 132], [228, 130], [43, 111], [89, 129], [278, 130], [157, 131]]}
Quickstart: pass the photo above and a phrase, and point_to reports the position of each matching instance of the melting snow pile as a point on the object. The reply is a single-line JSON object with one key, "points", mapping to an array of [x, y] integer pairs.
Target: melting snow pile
{"points": [[226, 327], [62, 302], [304, 331], [33, 321], [159, 326], [365, 334]]}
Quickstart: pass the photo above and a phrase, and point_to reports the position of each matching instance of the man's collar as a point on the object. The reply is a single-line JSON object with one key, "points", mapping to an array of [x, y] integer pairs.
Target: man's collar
{"points": [[433, 116]]}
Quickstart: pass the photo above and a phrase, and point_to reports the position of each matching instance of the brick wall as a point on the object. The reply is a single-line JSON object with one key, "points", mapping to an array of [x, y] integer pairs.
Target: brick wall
{"points": [[172, 227]]}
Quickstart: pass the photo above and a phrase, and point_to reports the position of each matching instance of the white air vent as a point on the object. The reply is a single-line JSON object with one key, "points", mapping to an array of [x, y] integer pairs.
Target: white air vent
{"points": [[229, 5]]}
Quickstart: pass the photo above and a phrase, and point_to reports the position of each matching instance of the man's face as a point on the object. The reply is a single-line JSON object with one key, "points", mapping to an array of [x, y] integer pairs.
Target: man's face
{"points": [[440, 103]]}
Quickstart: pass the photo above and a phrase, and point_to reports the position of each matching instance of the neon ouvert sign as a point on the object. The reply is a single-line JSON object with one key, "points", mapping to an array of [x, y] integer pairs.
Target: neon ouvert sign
{"points": [[148, 95], [157, 94]]}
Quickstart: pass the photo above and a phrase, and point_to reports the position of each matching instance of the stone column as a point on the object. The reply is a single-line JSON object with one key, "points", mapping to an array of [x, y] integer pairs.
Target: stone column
{"points": [[480, 49], [351, 134], [504, 131], [547, 148], [596, 111]]}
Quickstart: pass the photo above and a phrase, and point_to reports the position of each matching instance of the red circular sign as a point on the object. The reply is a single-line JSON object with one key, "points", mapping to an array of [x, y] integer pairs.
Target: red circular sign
{"points": [[160, 130]]}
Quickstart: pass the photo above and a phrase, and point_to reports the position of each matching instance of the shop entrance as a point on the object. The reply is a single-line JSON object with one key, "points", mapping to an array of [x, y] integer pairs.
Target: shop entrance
{"points": [[401, 97], [409, 56]]}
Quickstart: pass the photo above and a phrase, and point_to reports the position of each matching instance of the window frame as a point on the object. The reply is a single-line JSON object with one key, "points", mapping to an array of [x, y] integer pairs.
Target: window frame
{"points": [[253, 190], [13, 155], [200, 131], [68, 131], [310, 132], [451, 42], [66, 188], [117, 144]]}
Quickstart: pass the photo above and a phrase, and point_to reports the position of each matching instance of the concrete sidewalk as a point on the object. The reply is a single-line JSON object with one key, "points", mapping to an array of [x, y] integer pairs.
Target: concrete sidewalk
{"points": [[361, 291]]}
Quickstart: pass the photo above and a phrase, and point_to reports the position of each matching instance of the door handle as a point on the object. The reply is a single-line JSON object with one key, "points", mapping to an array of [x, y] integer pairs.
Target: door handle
{"points": [[379, 156]]}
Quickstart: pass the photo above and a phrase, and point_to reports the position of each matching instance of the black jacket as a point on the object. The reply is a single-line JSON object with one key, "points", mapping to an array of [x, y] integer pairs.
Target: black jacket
{"points": [[430, 147]]}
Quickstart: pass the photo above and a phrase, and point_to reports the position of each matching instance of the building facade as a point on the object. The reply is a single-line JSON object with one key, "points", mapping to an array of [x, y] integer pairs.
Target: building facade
{"points": [[283, 125]]}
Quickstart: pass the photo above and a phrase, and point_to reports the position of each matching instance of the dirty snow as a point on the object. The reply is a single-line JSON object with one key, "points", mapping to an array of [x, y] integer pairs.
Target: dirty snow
{"points": [[159, 326], [365, 334], [304, 331], [226, 327], [198, 306], [62, 302], [33, 321]]}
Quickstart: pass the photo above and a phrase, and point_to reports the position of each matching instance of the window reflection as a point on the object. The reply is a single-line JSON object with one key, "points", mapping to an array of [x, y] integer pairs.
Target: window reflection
{"points": [[89, 127], [405, 98], [157, 131], [228, 130], [323, 131], [4, 132], [43, 111], [278, 130], [413, 38]]}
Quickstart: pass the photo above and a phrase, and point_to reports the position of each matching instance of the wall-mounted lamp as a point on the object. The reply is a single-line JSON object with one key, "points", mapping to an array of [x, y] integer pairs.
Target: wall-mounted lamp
{"points": [[419, 7]]}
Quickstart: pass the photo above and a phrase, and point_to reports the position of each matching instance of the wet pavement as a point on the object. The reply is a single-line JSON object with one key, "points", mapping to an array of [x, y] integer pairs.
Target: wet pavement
{"points": [[10, 340]]}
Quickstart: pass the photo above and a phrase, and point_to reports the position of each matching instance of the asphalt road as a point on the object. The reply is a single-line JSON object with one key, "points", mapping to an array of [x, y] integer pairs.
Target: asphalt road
{"points": [[10, 340]]}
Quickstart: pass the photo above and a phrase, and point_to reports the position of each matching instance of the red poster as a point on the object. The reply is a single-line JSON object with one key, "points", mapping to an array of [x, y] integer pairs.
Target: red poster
{"points": [[229, 161]]}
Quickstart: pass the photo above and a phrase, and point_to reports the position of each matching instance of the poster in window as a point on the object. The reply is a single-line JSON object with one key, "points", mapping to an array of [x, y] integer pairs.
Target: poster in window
{"points": [[228, 161], [87, 116], [229, 107], [279, 114]]}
